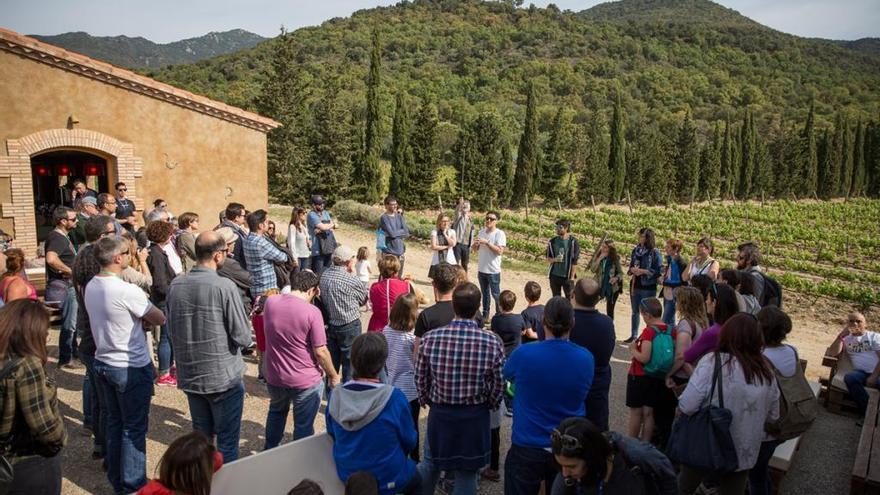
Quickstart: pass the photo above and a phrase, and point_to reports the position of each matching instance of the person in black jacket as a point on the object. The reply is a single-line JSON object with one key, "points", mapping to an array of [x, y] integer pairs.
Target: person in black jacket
{"points": [[233, 270], [563, 252], [159, 234]]}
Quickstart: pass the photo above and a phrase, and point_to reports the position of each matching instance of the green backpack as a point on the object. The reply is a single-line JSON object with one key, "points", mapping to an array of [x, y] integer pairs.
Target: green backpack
{"points": [[662, 353]]}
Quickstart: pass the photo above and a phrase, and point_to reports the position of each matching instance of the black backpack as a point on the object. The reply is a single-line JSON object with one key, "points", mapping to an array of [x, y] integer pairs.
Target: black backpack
{"points": [[772, 294]]}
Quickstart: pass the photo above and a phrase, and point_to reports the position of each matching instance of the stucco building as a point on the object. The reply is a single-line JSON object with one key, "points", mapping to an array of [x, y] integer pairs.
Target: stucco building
{"points": [[65, 116]]}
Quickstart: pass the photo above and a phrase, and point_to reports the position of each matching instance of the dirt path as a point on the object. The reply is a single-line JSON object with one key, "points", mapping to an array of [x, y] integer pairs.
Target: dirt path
{"points": [[169, 413]]}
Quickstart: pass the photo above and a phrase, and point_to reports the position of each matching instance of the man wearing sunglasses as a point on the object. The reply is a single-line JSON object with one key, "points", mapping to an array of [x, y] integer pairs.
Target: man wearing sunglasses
{"points": [[490, 244], [124, 207], [60, 254], [863, 349]]}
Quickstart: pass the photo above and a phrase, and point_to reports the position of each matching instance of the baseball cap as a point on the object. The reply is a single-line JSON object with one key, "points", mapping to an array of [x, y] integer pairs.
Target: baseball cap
{"points": [[317, 199], [227, 234], [343, 253]]}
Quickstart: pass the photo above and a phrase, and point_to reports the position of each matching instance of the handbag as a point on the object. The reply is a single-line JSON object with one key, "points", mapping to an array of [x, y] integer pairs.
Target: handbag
{"points": [[6, 471], [326, 243], [702, 440]]}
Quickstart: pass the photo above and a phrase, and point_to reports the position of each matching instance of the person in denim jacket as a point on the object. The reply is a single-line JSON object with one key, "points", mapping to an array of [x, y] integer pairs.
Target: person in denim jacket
{"points": [[644, 268]]}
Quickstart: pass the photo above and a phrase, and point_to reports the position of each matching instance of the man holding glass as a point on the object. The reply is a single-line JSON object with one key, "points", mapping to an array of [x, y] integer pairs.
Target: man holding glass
{"points": [[563, 252]]}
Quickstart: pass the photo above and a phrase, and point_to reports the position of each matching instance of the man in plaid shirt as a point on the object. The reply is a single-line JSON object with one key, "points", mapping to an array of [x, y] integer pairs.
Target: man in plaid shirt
{"points": [[342, 295], [260, 254], [458, 373]]}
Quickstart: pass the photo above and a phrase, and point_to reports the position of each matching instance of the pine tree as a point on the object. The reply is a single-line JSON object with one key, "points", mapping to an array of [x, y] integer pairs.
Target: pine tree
{"points": [[591, 160], [846, 162], [402, 163], [478, 152], [528, 156], [331, 146], [828, 175], [860, 175], [747, 156], [555, 163], [687, 160], [283, 96], [727, 162], [710, 172], [368, 174], [810, 159], [426, 156], [617, 152]]}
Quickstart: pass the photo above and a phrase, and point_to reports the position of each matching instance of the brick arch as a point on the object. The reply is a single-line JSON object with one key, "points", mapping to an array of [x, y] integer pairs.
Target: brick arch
{"points": [[16, 166]]}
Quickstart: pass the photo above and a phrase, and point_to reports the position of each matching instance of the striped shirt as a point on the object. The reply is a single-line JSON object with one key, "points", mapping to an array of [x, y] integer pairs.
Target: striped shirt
{"points": [[259, 254], [343, 294], [399, 365], [460, 364]]}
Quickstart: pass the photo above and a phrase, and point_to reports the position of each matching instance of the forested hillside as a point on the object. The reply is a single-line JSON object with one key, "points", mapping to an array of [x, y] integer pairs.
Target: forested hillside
{"points": [[706, 101]]}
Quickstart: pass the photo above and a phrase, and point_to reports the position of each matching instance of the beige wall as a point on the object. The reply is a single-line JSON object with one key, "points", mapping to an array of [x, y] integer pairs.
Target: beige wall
{"points": [[212, 154]]}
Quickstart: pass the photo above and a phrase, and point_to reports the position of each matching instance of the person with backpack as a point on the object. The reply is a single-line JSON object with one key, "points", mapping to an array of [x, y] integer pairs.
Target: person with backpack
{"points": [[767, 290], [798, 405], [745, 386], [607, 463], [653, 354]]}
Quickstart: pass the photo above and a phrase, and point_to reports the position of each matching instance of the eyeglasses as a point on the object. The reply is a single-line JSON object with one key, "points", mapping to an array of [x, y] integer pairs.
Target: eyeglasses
{"points": [[122, 189], [565, 441], [491, 219]]}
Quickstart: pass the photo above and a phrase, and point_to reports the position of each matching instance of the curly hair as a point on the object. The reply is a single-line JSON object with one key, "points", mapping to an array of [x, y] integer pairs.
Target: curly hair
{"points": [[159, 232]]}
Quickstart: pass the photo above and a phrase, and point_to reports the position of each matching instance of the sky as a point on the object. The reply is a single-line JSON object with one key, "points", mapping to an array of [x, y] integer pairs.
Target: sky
{"points": [[164, 21]]}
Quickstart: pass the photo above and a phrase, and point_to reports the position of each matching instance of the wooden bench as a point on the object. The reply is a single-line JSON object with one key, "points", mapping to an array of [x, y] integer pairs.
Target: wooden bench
{"points": [[834, 393], [866, 469], [280, 469], [784, 454]]}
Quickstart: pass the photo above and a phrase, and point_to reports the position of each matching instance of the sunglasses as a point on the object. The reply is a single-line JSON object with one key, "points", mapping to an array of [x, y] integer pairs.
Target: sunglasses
{"points": [[565, 441], [491, 219], [122, 189]]}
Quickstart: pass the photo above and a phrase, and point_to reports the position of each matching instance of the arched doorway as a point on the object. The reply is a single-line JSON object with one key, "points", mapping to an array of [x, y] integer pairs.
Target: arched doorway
{"points": [[53, 174], [17, 204]]}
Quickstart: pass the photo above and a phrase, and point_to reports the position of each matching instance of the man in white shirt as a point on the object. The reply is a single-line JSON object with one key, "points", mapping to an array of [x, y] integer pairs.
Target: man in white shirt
{"points": [[863, 349], [490, 244], [117, 313]]}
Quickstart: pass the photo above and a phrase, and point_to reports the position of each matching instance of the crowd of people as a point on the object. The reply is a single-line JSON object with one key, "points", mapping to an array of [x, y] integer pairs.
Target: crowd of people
{"points": [[204, 297]]}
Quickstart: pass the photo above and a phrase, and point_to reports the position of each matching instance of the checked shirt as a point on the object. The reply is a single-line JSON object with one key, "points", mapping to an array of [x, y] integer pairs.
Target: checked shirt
{"points": [[259, 254], [460, 364]]}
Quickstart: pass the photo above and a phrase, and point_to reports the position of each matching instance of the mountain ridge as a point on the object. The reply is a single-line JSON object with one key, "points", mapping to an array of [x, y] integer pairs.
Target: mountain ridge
{"points": [[139, 52]]}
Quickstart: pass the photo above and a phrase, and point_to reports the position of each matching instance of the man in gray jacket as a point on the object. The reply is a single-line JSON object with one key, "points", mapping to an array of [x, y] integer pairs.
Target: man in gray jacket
{"points": [[393, 225], [209, 326]]}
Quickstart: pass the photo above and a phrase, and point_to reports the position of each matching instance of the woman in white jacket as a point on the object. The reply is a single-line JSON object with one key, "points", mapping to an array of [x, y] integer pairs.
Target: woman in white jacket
{"points": [[750, 393]]}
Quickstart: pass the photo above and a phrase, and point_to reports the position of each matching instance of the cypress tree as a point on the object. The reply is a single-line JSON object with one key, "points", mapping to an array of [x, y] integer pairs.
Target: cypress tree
{"points": [[846, 163], [591, 160], [555, 164], [727, 162], [833, 169], [872, 158], [505, 172], [368, 173], [528, 156], [617, 151], [809, 157], [331, 148], [654, 156], [426, 156], [827, 173], [402, 163], [712, 173], [736, 162], [687, 160], [748, 156], [478, 152], [762, 181], [283, 96], [860, 175]]}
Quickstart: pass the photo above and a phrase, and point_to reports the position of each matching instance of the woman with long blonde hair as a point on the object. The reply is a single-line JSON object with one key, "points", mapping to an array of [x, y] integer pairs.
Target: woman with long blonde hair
{"points": [[692, 320]]}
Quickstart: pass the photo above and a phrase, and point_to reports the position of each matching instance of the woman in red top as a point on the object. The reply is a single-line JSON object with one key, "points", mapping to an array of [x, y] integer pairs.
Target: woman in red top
{"points": [[14, 283], [187, 467], [384, 292]]}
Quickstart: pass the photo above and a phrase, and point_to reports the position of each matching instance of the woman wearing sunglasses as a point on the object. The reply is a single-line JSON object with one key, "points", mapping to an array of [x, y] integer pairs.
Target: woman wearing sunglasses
{"points": [[593, 462]]}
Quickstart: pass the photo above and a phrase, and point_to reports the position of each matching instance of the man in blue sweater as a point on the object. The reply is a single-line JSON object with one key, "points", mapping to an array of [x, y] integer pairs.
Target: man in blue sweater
{"points": [[371, 423], [544, 397], [395, 229]]}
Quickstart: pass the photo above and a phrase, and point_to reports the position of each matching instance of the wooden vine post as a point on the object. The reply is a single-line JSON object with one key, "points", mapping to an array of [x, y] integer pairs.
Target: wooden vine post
{"points": [[629, 202], [593, 202]]}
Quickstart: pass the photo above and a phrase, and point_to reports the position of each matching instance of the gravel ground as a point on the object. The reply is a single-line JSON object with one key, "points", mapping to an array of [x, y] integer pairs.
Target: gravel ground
{"points": [[822, 466]]}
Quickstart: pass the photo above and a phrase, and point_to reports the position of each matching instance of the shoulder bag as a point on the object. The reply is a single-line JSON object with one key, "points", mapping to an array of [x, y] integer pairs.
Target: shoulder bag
{"points": [[702, 440]]}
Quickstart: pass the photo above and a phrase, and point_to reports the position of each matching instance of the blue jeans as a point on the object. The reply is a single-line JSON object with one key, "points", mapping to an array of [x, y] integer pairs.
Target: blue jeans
{"points": [[56, 292], [303, 264], [94, 411], [490, 286], [759, 476], [306, 402], [636, 299], [128, 392], [855, 382], [219, 414], [339, 341], [465, 481], [669, 312], [320, 262], [525, 468], [166, 352]]}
